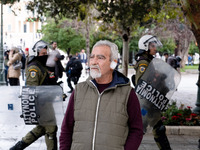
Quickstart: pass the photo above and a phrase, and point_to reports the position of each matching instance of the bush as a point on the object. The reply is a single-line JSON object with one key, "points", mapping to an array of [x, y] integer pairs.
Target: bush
{"points": [[180, 116]]}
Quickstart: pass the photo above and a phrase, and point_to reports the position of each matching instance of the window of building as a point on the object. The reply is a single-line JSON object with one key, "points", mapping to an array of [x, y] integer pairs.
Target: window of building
{"points": [[9, 9], [25, 28], [9, 28]]}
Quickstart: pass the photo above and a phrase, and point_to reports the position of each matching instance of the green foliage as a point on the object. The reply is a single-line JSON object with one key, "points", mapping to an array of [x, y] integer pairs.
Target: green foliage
{"points": [[186, 67], [168, 46], [9, 1], [180, 116], [59, 9], [125, 15], [50, 31], [170, 10], [195, 66], [133, 45], [66, 37], [33, 19], [106, 36], [193, 48]]}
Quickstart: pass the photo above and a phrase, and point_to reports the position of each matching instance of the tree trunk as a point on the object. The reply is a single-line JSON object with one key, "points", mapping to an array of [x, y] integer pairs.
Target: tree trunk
{"points": [[196, 32], [184, 53], [192, 12], [88, 35], [182, 37], [125, 53]]}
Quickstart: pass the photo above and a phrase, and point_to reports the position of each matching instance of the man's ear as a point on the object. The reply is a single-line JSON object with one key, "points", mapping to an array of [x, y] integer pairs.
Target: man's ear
{"points": [[113, 64]]}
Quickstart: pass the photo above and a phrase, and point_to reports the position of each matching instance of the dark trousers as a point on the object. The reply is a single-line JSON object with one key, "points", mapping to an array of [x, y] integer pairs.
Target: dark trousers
{"points": [[6, 73], [22, 73], [74, 79], [13, 81]]}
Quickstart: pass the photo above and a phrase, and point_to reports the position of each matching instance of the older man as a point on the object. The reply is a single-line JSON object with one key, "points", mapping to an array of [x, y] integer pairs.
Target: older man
{"points": [[103, 112]]}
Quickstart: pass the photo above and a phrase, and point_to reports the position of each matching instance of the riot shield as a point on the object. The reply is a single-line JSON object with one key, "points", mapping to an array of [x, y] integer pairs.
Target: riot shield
{"points": [[10, 107], [154, 90], [41, 105]]}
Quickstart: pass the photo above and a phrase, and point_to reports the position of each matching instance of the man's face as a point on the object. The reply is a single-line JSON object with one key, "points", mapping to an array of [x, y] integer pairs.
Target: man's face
{"points": [[54, 45], [100, 62], [43, 52], [152, 48]]}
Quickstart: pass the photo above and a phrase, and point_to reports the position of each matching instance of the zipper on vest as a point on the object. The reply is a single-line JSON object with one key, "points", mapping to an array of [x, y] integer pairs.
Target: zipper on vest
{"points": [[96, 116]]}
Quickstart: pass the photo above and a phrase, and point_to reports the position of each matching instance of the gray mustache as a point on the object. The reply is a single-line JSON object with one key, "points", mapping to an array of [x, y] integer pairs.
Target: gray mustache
{"points": [[94, 67]]}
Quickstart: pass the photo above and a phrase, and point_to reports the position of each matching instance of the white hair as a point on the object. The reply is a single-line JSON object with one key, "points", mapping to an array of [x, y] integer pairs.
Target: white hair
{"points": [[113, 48]]}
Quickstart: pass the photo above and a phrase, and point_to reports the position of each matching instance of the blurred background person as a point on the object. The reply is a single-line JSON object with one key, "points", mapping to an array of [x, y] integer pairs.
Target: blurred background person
{"points": [[83, 58], [26, 54], [174, 62], [6, 59], [23, 60], [53, 63], [166, 55], [13, 74], [190, 60], [73, 71]]}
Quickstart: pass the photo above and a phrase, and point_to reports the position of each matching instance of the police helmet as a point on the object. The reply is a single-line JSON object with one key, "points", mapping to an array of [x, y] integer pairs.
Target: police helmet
{"points": [[145, 40], [37, 47]]}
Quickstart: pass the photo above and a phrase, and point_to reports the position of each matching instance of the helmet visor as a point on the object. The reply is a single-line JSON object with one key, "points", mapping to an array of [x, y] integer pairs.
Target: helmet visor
{"points": [[39, 46], [155, 41]]}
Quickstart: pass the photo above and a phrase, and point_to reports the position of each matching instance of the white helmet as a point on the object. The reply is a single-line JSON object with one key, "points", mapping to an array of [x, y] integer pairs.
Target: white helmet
{"points": [[38, 46], [144, 41]]}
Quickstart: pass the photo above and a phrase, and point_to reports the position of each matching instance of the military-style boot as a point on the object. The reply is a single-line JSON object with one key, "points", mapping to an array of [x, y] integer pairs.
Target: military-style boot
{"points": [[19, 146], [163, 142], [160, 136]]}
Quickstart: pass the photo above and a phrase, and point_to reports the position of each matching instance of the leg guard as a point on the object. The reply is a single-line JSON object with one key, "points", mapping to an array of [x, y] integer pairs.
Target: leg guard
{"points": [[19, 146], [160, 136], [50, 137]]}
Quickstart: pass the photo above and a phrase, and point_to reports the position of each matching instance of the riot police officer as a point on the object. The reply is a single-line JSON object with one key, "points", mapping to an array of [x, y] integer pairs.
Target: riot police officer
{"points": [[37, 74], [147, 49]]}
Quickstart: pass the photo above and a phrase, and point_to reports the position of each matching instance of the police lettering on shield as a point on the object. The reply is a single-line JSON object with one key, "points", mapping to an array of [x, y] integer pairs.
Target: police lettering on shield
{"points": [[28, 105], [151, 94]]}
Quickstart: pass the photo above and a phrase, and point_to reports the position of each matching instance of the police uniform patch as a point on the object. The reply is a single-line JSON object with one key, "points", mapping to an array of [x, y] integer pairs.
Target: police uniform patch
{"points": [[33, 74], [142, 69], [143, 65], [33, 70]]}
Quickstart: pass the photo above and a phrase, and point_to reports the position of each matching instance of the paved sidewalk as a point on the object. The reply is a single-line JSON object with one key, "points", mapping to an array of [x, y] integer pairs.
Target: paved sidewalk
{"points": [[178, 142], [186, 94]]}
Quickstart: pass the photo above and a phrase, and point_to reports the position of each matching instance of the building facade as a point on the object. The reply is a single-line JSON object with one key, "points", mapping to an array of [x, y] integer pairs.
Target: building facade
{"points": [[20, 26]]}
